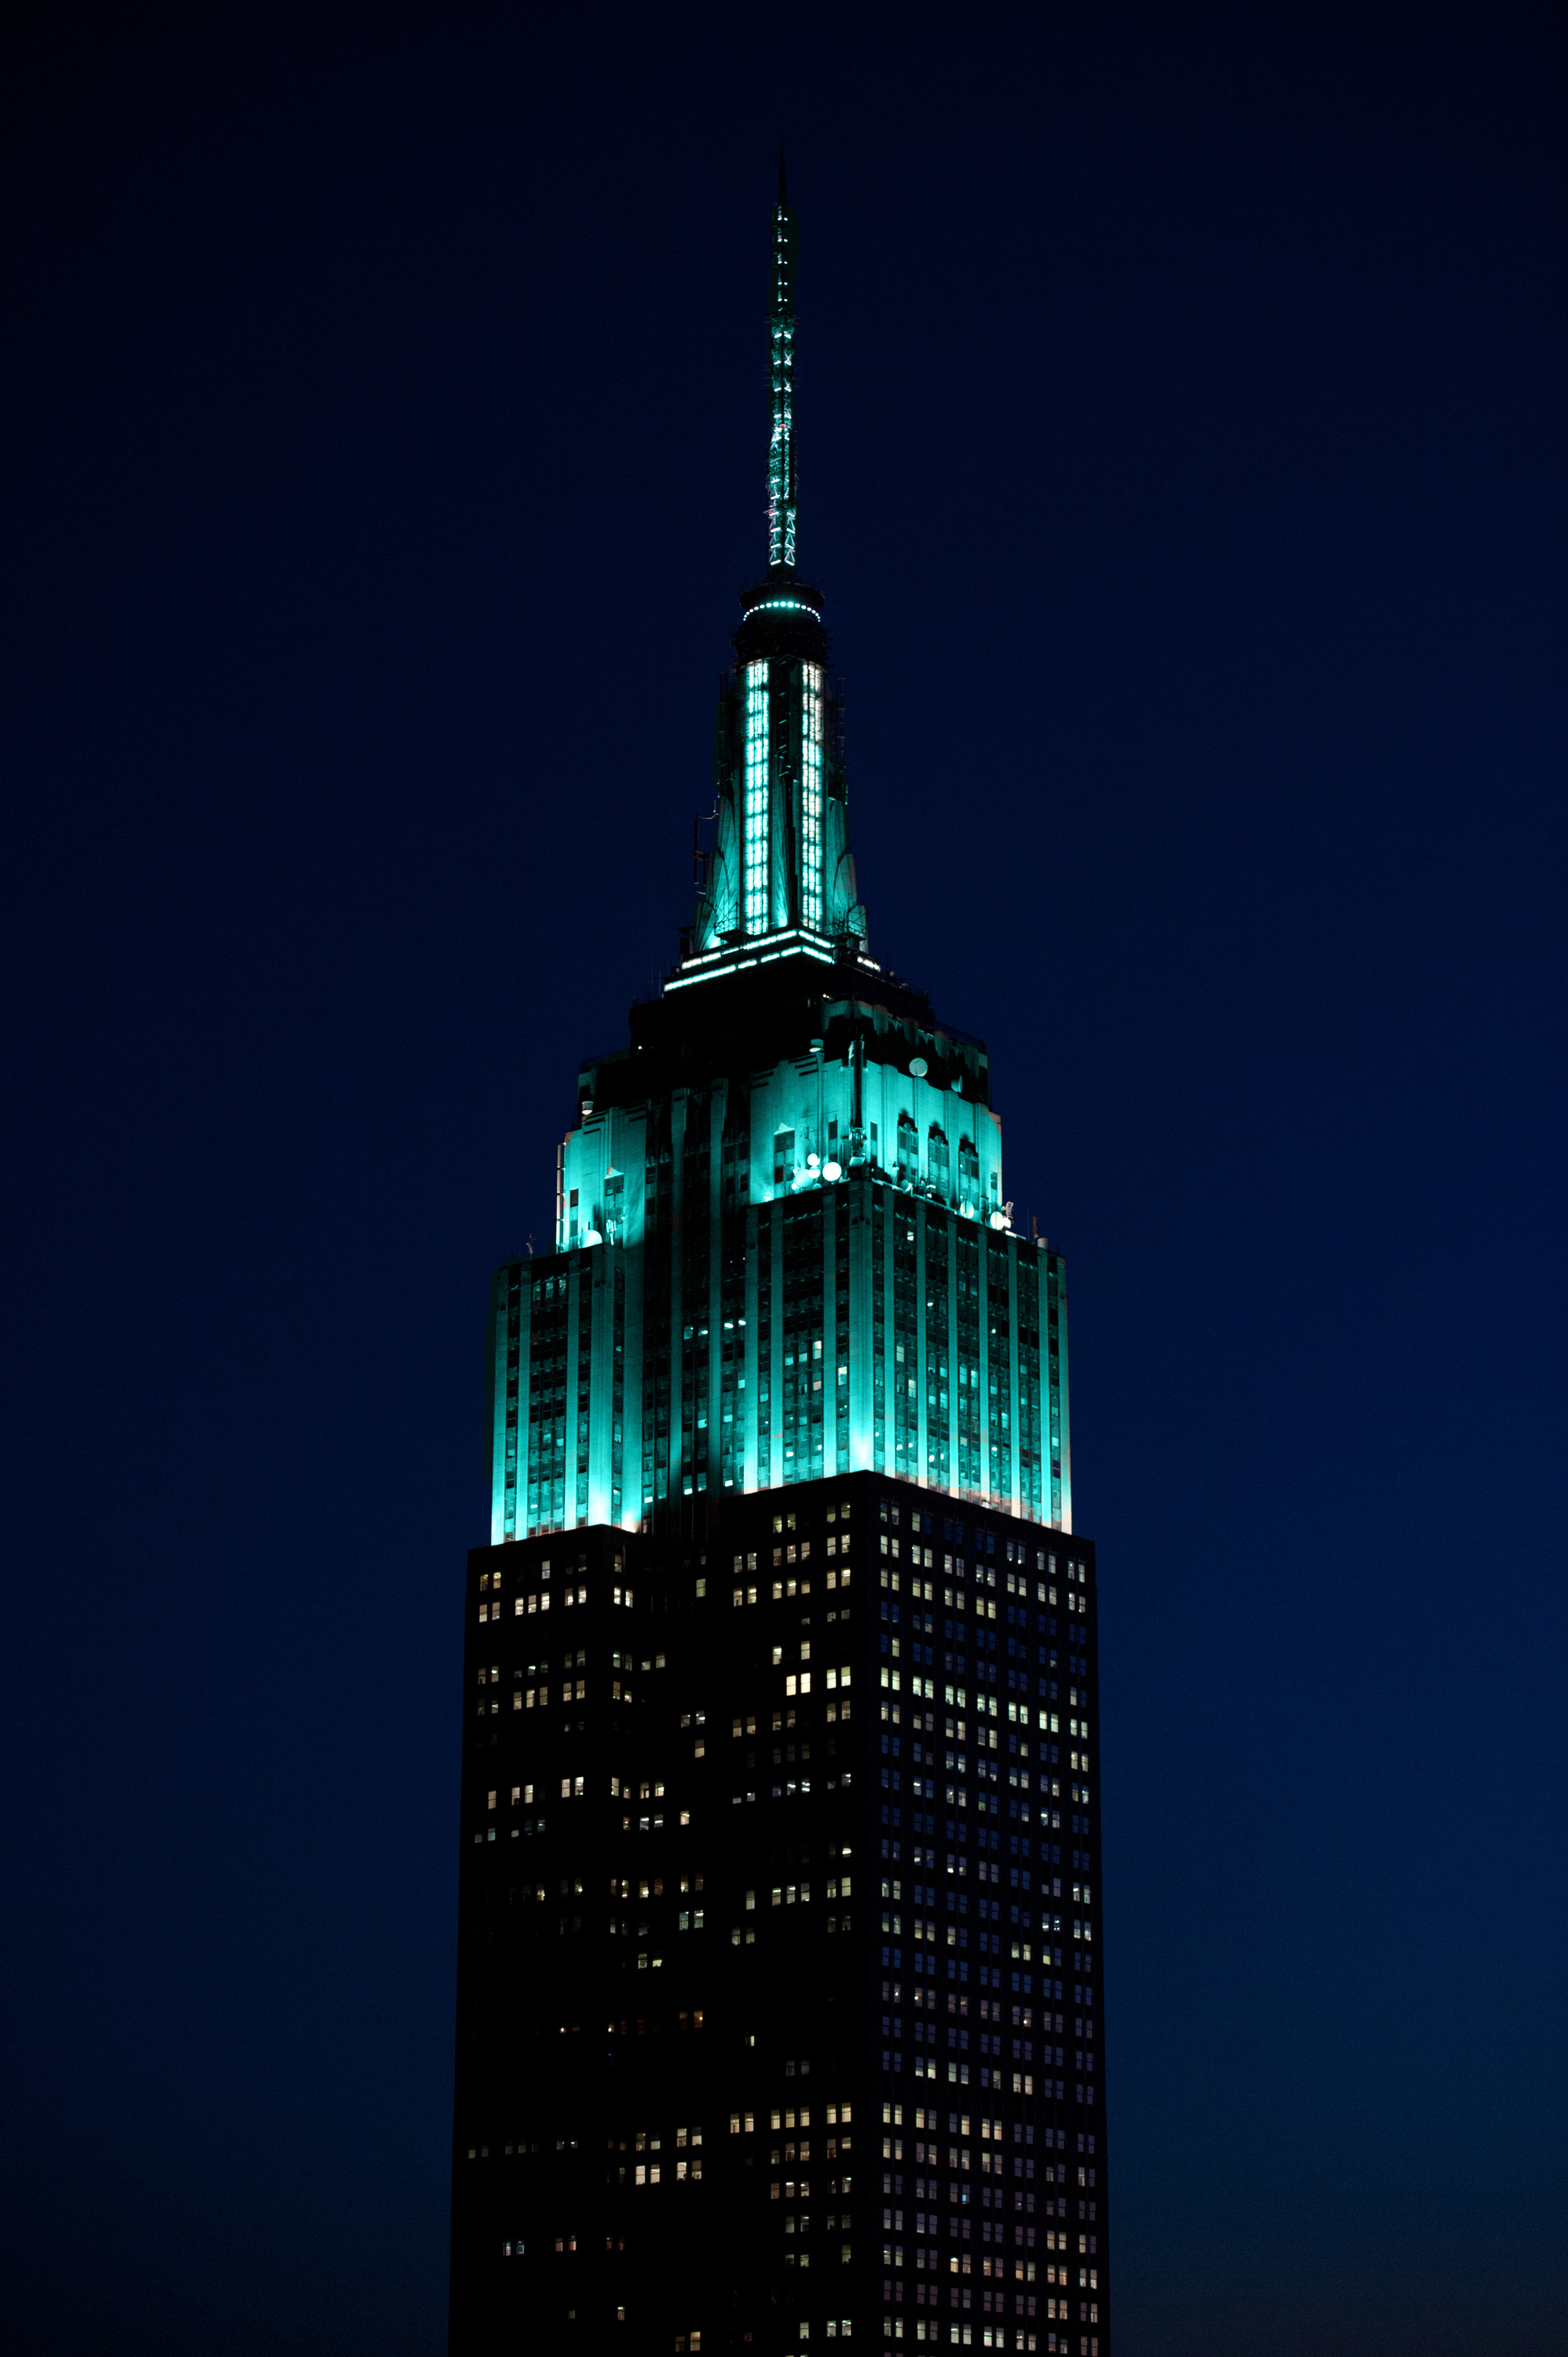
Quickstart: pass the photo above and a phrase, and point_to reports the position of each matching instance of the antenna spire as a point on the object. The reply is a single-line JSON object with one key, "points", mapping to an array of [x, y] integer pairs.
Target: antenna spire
{"points": [[781, 502]]}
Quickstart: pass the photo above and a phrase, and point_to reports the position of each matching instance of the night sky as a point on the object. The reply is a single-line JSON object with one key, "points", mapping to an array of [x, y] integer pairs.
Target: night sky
{"points": [[1181, 404]]}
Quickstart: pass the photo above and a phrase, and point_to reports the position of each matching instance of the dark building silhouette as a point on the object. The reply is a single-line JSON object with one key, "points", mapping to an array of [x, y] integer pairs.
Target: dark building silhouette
{"points": [[779, 2010]]}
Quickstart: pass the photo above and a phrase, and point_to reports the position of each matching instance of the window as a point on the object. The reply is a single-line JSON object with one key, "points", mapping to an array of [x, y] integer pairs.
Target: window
{"points": [[812, 795], [969, 1176], [757, 798], [909, 1151]]}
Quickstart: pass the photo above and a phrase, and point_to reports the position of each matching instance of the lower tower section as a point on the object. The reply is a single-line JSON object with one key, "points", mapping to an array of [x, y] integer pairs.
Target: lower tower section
{"points": [[780, 1995]]}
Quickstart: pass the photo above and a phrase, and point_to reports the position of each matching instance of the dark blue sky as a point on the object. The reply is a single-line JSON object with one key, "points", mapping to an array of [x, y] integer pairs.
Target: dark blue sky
{"points": [[1181, 402]]}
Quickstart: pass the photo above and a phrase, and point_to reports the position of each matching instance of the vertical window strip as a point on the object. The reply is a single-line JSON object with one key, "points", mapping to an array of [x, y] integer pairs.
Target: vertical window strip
{"points": [[812, 795], [764, 1353], [879, 1334], [1053, 1309], [936, 1355], [513, 1335], [583, 1416], [999, 1372], [757, 798], [617, 1400], [905, 1347]]}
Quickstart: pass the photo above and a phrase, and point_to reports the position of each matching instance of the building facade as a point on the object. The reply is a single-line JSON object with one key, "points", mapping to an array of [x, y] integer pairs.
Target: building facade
{"points": [[779, 2007]]}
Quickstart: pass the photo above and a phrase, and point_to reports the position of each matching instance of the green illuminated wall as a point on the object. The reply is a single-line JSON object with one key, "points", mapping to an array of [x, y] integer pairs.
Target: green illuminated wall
{"points": [[822, 1327]]}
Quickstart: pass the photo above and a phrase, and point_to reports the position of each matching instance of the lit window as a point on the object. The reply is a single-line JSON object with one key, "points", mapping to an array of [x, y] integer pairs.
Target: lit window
{"points": [[757, 798], [812, 795]]}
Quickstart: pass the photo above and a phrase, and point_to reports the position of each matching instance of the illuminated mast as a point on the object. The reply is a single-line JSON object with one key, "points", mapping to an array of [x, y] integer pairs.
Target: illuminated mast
{"points": [[781, 357]]}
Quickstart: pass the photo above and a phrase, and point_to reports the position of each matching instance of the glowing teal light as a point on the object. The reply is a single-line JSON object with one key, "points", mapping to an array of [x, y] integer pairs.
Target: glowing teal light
{"points": [[812, 795], [756, 829]]}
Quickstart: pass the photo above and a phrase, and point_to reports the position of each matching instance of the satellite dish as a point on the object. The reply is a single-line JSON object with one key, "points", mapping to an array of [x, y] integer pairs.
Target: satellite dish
{"points": [[918, 1067], [832, 1173]]}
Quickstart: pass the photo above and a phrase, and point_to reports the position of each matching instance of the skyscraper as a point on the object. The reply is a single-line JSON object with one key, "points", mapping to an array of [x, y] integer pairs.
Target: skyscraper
{"points": [[779, 1996]]}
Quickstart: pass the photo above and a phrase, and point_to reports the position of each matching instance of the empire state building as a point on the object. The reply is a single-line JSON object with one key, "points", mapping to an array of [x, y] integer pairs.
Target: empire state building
{"points": [[779, 1996]]}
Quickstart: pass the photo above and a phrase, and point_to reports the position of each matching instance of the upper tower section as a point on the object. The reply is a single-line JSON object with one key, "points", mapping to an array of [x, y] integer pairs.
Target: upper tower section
{"points": [[781, 864]]}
